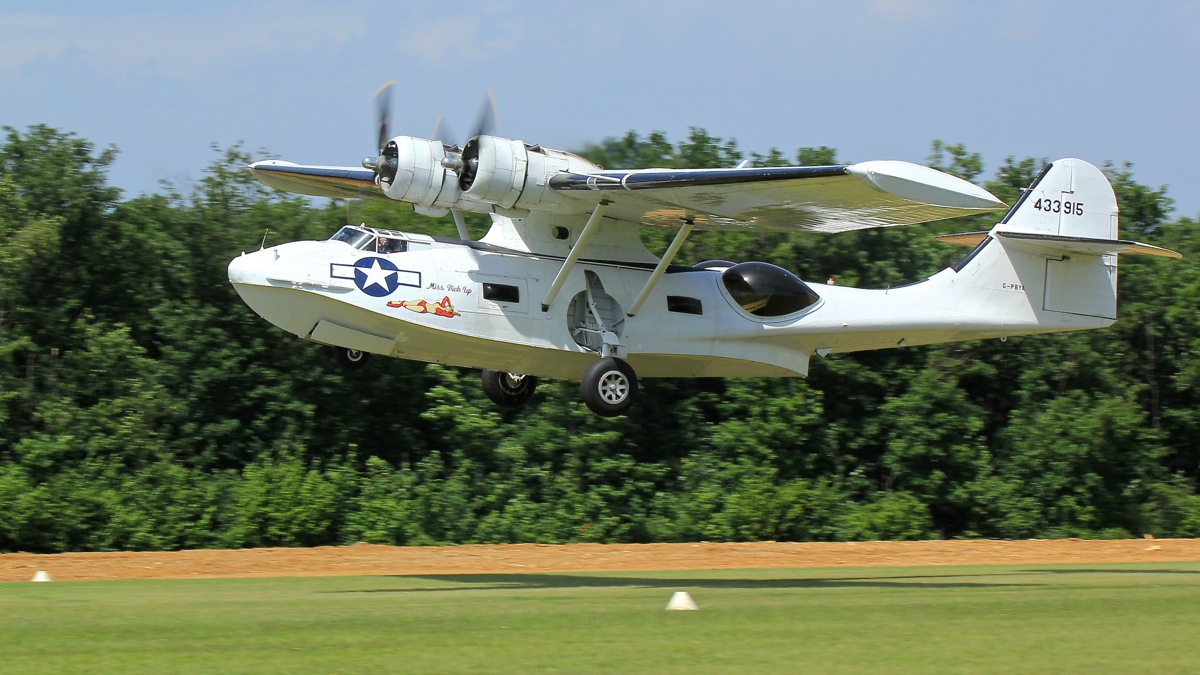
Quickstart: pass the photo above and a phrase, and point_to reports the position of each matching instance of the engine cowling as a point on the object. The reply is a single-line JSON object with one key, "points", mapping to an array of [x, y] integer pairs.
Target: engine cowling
{"points": [[419, 177], [513, 175]]}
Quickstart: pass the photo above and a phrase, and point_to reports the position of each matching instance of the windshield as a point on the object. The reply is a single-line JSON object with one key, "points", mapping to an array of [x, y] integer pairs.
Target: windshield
{"points": [[371, 239], [351, 235]]}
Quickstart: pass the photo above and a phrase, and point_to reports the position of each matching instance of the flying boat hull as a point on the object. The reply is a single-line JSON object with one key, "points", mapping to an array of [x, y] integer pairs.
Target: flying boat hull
{"points": [[439, 305]]}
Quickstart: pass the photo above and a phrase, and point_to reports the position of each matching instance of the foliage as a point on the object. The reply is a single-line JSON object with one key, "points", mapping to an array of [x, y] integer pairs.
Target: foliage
{"points": [[143, 406]]}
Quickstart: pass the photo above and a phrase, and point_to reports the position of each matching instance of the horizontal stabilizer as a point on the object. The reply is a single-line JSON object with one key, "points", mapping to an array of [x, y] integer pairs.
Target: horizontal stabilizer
{"points": [[1048, 243], [1055, 244], [970, 239]]}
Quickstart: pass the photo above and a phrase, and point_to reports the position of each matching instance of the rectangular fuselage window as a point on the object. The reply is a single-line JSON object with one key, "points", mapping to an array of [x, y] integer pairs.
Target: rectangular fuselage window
{"points": [[684, 305], [501, 293]]}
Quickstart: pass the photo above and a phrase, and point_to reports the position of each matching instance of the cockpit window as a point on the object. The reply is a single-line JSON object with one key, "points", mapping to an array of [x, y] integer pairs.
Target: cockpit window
{"points": [[766, 290], [351, 235], [373, 240], [389, 245]]}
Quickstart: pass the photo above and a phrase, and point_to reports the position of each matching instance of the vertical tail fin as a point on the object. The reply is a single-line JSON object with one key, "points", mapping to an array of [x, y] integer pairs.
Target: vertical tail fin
{"points": [[1056, 266], [1050, 264], [1069, 198]]}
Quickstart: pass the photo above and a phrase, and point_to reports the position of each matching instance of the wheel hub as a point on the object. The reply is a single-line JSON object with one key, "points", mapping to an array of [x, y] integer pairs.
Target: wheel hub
{"points": [[614, 387], [512, 382]]}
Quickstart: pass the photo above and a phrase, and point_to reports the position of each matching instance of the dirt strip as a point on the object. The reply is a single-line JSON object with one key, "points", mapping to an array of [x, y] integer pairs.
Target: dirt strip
{"points": [[367, 559]]}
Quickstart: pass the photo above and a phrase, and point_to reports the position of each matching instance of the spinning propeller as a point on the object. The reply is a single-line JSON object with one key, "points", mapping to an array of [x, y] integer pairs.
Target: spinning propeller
{"points": [[462, 161], [465, 162], [384, 165], [483, 126]]}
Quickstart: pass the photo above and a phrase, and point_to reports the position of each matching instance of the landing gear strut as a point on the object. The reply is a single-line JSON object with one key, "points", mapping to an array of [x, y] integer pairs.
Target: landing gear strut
{"points": [[609, 386], [350, 359], [508, 390]]}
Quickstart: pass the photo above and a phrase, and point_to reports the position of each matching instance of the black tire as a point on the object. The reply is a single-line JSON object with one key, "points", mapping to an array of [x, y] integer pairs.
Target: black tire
{"points": [[609, 387], [350, 359], [508, 390]]}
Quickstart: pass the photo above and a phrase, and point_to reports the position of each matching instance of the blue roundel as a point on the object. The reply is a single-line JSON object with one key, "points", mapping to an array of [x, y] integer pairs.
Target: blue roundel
{"points": [[376, 277]]}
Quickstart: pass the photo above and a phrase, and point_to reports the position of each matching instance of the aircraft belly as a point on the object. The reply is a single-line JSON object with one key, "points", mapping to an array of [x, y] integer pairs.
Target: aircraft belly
{"points": [[461, 306], [883, 322], [330, 319], [331, 333], [689, 365], [283, 306]]}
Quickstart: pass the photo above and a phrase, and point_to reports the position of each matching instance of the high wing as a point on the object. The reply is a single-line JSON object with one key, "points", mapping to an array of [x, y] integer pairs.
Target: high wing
{"points": [[817, 199], [518, 180], [334, 182]]}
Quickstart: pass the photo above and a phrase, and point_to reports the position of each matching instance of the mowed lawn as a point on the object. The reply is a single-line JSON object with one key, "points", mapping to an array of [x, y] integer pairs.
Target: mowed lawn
{"points": [[1087, 618]]}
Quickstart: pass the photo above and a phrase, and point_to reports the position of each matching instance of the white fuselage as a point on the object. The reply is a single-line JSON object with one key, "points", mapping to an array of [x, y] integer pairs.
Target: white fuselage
{"points": [[481, 306]]}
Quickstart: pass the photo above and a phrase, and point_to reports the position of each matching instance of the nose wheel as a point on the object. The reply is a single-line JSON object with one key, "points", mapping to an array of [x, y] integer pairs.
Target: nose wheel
{"points": [[609, 386], [508, 390], [350, 359]]}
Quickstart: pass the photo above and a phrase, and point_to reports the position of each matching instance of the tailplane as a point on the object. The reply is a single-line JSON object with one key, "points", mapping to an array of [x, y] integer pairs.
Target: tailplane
{"points": [[1059, 247], [1070, 208]]}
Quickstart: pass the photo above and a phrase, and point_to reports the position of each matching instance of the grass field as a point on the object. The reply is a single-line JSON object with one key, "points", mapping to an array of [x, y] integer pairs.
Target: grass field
{"points": [[1093, 618]]}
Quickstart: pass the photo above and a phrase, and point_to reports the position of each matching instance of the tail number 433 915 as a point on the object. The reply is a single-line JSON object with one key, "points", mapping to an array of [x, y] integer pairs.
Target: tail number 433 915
{"points": [[1059, 206]]}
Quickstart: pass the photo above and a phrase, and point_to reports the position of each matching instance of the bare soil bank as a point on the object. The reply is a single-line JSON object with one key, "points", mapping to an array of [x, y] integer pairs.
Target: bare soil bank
{"points": [[367, 559]]}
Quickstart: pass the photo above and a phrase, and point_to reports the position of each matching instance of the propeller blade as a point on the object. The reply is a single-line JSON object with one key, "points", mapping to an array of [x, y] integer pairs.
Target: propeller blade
{"points": [[487, 117], [383, 101], [442, 132]]}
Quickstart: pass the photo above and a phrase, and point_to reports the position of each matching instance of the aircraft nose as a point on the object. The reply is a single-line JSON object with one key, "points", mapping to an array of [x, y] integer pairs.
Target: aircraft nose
{"points": [[238, 269], [245, 269]]}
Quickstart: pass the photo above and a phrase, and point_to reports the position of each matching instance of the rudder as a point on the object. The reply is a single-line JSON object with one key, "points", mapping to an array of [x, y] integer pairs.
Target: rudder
{"points": [[1055, 268], [1069, 198]]}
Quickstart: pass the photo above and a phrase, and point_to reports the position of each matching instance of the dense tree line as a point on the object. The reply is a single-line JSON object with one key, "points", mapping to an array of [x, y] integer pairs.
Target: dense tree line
{"points": [[143, 406]]}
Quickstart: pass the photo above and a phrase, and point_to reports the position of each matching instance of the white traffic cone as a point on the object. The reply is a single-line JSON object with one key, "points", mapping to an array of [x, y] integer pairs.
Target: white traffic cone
{"points": [[41, 575], [680, 600]]}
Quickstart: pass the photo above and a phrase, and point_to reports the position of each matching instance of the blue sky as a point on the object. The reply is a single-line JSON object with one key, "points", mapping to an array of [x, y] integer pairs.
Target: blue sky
{"points": [[876, 79]]}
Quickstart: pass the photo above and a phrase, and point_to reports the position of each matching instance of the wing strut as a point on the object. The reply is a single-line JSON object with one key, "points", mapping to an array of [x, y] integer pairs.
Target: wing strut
{"points": [[573, 257], [659, 269], [461, 225]]}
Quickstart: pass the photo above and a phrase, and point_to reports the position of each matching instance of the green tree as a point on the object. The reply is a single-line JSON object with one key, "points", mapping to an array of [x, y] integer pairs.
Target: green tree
{"points": [[934, 446], [143, 405]]}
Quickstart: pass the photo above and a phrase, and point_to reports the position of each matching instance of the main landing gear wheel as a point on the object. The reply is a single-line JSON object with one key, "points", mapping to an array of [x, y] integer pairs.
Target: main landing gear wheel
{"points": [[508, 390], [609, 386], [350, 359]]}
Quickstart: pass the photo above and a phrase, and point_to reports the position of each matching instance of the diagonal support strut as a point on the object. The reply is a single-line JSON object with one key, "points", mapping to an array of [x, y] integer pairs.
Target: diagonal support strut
{"points": [[460, 225], [659, 269], [573, 257]]}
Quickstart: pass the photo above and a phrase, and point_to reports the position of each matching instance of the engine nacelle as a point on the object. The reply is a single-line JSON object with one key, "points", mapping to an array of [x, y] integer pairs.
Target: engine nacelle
{"points": [[419, 177], [513, 175]]}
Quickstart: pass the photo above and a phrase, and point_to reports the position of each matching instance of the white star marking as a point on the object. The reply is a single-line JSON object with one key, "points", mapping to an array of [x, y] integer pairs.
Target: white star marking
{"points": [[376, 275]]}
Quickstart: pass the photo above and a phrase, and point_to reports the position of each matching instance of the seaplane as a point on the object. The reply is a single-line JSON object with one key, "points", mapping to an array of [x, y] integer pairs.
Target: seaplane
{"points": [[562, 286]]}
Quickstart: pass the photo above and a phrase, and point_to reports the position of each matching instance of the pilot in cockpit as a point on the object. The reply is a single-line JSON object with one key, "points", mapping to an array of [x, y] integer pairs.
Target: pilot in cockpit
{"points": [[389, 245]]}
